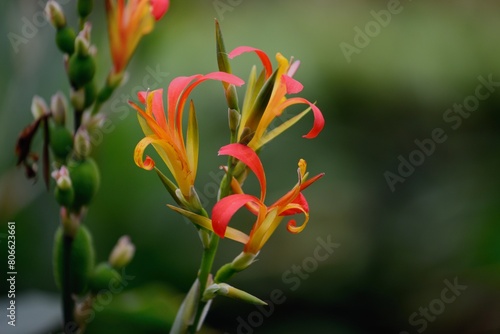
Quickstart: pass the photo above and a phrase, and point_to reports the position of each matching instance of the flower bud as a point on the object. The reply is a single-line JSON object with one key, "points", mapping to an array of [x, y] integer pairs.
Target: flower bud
{"points": [[62, 178], [64, 192], [234, 119], [83, 146], [77, 98], [122, 253], [59, 107], [85, 8], [103, 277], [223, 289], [55, 14], [81, 65], [85, 178], [38, 107], [82, 259]]}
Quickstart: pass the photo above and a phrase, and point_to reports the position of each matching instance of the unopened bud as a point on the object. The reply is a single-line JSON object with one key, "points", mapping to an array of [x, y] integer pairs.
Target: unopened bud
{"points": [[223, 289], [62, 178], [83, 147], [82, 45], [64, 192], [38, 107], [234, 119], [59, 107], [122, 254], [55, 14], [93, 122], [77, 97]]}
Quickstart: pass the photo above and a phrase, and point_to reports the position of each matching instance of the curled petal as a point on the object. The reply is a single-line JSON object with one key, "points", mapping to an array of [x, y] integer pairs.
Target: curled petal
{"points": [[319, 121], [224, 210], [266, 62], [249, 158], [291, 226], [148, 163]]}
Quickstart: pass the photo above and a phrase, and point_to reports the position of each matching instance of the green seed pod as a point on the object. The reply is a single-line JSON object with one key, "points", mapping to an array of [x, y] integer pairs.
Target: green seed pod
{"points": [[85, 178], [81, 70], [82, 259], [61, 142], [85, 8], [65, 197], [104, 277], [65, 40]]}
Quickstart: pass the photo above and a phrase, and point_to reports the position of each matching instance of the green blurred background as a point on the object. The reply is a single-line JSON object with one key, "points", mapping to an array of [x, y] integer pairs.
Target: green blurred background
{"points": [[398, 249]]}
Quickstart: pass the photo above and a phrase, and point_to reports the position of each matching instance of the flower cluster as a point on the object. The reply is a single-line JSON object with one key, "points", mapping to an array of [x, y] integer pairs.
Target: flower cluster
{"points": [[267, 97]]}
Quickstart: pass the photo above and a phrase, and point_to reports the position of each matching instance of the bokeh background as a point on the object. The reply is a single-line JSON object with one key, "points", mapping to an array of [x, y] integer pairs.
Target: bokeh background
{"points": [[398, 250]]}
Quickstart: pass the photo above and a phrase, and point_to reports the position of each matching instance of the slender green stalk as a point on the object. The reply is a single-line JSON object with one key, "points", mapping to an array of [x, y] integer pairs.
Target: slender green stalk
{"points": [[207, 262]]}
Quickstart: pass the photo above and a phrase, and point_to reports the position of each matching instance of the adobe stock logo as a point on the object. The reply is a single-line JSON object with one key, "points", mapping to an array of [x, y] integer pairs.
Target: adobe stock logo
{"points": [[436, 307], [293, 278], [372, 29], [453, 118]]}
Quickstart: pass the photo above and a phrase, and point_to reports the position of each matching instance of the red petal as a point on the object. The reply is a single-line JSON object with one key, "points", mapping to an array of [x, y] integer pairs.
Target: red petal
{"points": [[159, 8], [175, 89], [300, 200], [319, 121], [292, 85], [249, 158], [224, 210], [262, 55], [158, 111]]}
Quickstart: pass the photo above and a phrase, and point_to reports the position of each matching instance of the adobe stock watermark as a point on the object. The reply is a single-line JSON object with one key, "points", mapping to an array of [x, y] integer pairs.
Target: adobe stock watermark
{"points": [[293, 279], [453, 118], [421, 318], [30, 27], [373, 28], [223, 6], [119, 106], [103, 298]]}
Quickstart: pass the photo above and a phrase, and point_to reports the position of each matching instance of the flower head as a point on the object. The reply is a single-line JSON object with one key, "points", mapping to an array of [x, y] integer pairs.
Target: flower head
{"points": [[127, 23], [268, 217], [266, 99], [165, 133]]}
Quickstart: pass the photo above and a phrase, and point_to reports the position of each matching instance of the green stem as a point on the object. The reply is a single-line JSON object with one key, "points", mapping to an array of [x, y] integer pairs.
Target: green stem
{"points": [[207, 262], [67, 288]]}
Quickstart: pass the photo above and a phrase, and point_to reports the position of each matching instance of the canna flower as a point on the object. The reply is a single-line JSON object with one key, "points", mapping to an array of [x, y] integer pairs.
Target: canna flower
{"points": [[266, 99], [268, 217], [165, 133], [127, 23]]}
